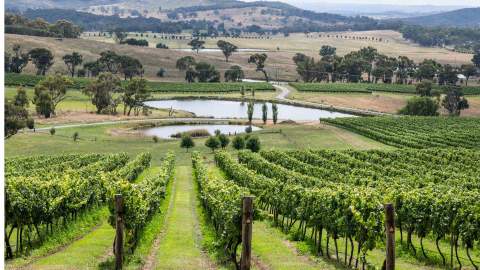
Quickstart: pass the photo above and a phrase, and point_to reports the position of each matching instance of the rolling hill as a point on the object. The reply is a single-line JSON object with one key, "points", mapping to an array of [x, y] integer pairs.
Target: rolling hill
{"points": [[466, 17]]}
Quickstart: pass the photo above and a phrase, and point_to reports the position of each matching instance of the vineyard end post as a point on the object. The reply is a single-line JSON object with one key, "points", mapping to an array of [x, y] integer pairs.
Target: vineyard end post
{"points": [[119, 232], [247, 221], [390, 231]]}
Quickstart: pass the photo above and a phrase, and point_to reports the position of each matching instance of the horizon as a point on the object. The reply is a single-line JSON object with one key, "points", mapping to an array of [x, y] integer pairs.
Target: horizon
{"points": [[437, 3]]}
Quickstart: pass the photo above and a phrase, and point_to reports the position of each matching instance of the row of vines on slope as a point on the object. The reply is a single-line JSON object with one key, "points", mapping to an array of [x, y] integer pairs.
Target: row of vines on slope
{"points": [[416, 131], [141, 200], [222, 200], [347, 202], [43, 199]]}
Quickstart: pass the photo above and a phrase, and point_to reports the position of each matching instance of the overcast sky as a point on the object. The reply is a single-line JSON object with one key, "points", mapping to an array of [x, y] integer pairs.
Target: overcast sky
{"points": [[392, 2]]}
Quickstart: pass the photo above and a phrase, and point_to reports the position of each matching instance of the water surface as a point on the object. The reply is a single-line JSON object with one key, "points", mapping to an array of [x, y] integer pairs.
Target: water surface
{"points": [[165, 132], [237, 109]]}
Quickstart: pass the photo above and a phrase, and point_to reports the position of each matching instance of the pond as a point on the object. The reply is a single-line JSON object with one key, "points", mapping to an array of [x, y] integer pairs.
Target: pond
{"points": [[165, 132], [237, 109]]}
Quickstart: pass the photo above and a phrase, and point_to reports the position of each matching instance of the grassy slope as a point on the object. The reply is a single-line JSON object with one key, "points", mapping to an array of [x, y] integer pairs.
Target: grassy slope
{"points": [[87, 252], [97, 139], [62, 236], [179, 248]]}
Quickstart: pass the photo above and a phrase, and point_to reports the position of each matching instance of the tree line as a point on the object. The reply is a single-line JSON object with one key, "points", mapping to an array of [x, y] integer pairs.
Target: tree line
{"points": [[17, 24], [378, 68]]}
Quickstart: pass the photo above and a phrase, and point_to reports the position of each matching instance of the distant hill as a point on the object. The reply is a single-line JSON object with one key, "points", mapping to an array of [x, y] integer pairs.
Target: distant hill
{"points": [[203, 15], [467, 17]]}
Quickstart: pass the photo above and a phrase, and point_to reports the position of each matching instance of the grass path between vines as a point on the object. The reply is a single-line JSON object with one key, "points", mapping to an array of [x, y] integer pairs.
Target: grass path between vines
{"points": [[86, 253], [179, 249]]}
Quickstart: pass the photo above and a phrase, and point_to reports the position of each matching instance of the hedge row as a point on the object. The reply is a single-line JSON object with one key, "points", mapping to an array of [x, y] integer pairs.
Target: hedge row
{"points": [[15, 79]]}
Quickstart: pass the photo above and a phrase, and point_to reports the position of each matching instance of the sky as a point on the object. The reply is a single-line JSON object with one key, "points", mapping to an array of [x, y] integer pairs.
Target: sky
{"points": [[390, 2]]}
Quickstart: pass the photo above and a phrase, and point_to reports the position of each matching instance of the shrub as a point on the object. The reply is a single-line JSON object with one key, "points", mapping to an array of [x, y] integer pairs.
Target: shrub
{"points": [[253, 144], [224, 140], [161, 73], [238, 142], [76, 136], [248, 129], [187, 142], [52, 131], [155, 139], [212, 143], [423, 106]]}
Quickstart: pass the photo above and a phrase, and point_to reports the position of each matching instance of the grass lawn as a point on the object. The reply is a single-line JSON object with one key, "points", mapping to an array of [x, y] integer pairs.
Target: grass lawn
{"points": [[98, 139], [88, 252], [180, 247]]}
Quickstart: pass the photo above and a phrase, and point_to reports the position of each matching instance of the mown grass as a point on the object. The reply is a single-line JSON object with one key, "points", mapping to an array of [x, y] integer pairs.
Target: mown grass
{"points": [[62, 236], [86, 253], [179, 248]]}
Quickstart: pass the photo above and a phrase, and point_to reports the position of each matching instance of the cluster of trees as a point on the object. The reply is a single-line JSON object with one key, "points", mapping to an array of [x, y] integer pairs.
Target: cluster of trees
{"points": [[135, 42], [17, 24], [442, 36], [110, 61], [41, 58], [429, 101], [377, 67], [205, 72], [220, 140]]}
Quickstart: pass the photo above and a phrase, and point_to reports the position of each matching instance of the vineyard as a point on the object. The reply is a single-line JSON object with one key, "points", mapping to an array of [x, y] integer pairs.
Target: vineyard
{"points": [[370, 87], [339, 196], [415, 132], [46, 193], [14, 79]]}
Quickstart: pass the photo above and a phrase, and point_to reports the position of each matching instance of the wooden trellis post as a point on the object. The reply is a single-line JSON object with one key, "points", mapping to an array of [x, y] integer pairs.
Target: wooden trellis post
{"points": [[247, 221], [119, 232], [390, 232]]}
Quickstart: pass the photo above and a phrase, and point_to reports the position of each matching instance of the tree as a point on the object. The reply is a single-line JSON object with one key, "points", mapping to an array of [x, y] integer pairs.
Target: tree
{"points": [[17, 62], [206, 72], [42, 59], [66, 29], [72, 60], [110, 61], [224, 140], [227, 48], [423, 106], [369, 54], [427, 69], [119, 35], [130, 66], [196, 44], [16, 117], [43, 103], [161, 73], [21, 98], [212, 142], [234, 74], [238, 142], [468, 71], [424, 89], [93, 68], [274, 113], [101, 91], [253, 144], [135, 93], [187, 64], [264, 113], [454, 101], [56, 86], [250, 109], [76, 136], [187, 142], [447, 75], [327, 52], [476, 59], [259, 60]]}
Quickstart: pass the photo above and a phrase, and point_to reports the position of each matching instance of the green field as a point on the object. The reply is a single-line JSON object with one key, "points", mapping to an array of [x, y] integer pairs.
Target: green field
{"points": [[371, 87]]}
